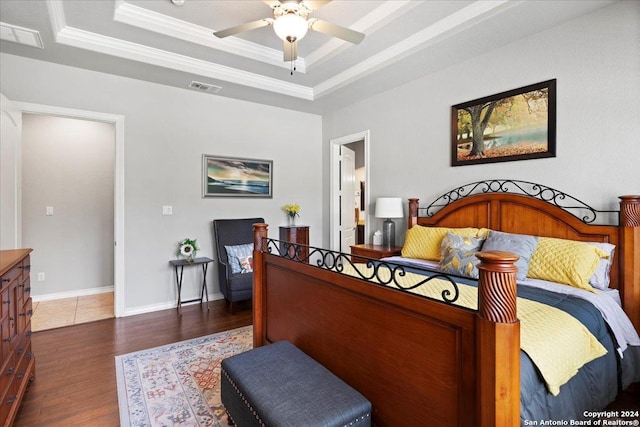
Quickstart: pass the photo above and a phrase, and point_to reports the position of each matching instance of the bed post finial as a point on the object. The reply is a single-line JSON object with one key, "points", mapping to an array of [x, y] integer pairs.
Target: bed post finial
{"points": [[413, 213], [498, 343], [629, 257], [260, 232]]}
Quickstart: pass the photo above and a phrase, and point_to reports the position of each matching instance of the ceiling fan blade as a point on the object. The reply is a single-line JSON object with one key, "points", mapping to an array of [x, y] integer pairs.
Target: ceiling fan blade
{"points": [[272, 3], [334, 30], [290, 50], [244, 27], [314, 4]]}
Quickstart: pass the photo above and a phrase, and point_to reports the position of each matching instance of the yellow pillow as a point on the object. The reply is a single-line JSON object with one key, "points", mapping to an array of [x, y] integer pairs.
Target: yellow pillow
{"points": [[565, 261], [424, 242]]}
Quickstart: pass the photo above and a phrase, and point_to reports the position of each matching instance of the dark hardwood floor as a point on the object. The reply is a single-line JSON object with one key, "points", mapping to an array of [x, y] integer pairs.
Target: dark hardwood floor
{"points": [[75, 381]]}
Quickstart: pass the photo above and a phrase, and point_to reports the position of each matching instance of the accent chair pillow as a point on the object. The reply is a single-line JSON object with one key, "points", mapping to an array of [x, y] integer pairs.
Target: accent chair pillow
{"points": [[240, 258], [459, 255], [425, 242], [519, 244], [566, 261]]}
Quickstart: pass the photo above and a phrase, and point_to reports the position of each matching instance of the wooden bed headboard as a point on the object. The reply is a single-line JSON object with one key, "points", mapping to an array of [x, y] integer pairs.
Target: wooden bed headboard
{"points": [[543, 211]]}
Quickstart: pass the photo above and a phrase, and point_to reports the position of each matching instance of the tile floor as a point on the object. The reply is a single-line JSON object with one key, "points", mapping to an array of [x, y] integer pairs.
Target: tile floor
{"points": [[71, 311]]}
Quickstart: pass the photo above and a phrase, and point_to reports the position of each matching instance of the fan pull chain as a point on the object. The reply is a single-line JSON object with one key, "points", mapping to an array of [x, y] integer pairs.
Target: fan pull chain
{"points": [[293, 61]]}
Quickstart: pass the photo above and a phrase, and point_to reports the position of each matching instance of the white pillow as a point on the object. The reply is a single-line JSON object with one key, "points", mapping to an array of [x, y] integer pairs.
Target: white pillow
{"points": [[601, 278]]}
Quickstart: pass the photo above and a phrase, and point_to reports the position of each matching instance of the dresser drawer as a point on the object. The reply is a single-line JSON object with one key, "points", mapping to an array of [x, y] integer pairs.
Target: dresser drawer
{"points": [[11, 275], [24, 317], [7, 376], [25, 360], [5, 339], [5, 301]]}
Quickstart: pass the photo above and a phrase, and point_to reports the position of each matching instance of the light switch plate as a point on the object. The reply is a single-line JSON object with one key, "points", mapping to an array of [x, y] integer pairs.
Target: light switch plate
{"points": [[49, 211], [167, 210]]}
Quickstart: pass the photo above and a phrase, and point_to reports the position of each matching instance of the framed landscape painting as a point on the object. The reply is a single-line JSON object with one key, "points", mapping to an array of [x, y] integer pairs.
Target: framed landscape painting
{"points": [[519, 124], [236, 177]]}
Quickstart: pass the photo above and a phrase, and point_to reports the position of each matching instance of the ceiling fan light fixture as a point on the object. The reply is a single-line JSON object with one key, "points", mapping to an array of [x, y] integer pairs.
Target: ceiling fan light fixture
{"points": [[290, 27]]}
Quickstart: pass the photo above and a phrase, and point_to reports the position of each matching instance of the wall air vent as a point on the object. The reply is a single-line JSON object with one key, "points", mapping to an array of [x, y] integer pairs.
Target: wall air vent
{"points": [[204, 87], [21, 35]]}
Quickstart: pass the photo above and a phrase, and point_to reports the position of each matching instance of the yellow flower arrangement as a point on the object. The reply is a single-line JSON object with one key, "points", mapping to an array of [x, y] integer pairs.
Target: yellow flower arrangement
{"points": [[292, 210]]}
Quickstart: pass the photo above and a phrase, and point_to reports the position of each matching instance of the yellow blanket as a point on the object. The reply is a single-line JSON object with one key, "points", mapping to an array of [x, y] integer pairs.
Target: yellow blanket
{"points": [[557, 343]]}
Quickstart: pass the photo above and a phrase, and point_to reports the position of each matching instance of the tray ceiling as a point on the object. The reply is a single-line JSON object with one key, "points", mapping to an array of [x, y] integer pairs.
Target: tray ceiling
{"points": [[159, 41]]}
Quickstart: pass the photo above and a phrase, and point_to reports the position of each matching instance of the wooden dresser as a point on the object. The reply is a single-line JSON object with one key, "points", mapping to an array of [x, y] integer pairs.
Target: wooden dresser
{"points": [[299, 235], [17, 368]]}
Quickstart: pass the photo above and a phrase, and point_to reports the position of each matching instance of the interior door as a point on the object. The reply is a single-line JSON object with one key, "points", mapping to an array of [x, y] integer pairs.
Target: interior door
{"points": [[348, 222]]}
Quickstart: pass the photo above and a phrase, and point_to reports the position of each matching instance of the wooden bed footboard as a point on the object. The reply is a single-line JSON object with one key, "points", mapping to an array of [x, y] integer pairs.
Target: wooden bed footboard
{"points": [[419, 361]]}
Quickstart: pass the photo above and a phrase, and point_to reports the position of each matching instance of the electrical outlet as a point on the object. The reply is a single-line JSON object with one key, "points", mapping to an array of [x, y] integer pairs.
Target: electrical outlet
{"points": [[167, 210], [49, 211], [40, 277]]}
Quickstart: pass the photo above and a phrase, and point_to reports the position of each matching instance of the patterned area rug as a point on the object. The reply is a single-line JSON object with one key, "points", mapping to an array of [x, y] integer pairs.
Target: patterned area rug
{"points": [[177, 384]]}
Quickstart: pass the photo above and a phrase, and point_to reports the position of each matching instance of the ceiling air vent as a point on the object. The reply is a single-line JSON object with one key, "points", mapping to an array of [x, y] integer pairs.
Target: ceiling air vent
{"points": [[21, 35], [204, 87]]}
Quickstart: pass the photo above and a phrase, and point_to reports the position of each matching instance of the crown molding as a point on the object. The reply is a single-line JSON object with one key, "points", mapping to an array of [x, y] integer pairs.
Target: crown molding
{"points": [[123, 49], [162, 24], [445, 27], [470, 15]]}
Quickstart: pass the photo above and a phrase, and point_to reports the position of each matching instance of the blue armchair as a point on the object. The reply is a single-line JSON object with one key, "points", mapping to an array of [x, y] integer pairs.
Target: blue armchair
{"points": [[235, 277]]}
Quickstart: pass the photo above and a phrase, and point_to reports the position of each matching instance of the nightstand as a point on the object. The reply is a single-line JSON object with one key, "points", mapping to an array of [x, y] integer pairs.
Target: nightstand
{"points": [[373, 251]]}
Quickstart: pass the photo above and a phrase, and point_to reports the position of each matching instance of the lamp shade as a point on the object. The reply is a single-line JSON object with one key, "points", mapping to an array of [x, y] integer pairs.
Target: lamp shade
{"points": [[290, 27], [389, 207]]}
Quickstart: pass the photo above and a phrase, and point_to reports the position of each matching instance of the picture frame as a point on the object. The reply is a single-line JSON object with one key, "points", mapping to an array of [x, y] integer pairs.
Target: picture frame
{"points": [[236, 177], [518, 124]]}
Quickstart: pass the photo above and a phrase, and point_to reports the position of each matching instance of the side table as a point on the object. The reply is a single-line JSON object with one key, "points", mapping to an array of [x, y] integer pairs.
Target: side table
{"points": [[178, 265], [373, 251]]}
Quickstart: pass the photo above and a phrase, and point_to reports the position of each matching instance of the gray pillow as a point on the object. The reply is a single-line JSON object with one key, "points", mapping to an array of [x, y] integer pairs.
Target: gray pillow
{"points": [[519, 244]]}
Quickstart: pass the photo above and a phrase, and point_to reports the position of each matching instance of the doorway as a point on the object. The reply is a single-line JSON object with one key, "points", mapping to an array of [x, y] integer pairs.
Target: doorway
{"points": [[117, 181], [355, 205]]}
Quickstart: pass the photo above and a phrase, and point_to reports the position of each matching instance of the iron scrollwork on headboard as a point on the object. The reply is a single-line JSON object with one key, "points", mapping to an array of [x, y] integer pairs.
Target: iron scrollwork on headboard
{"points": [[570, 204]]}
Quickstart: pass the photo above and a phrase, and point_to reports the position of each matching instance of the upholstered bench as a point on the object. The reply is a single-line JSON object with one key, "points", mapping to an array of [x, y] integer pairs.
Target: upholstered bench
{"points": [[279, 385]]}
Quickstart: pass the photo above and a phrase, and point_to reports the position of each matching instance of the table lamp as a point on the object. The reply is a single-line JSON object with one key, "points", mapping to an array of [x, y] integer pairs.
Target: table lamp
{"points": [[389, 207]]}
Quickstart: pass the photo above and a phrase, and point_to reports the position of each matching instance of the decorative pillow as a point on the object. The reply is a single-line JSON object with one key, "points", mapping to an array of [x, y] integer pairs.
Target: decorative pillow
{"points": [[565, 261], [424, 242], [519, 244], [601, 278], [459, 255], [246, 263], [239, 255]]}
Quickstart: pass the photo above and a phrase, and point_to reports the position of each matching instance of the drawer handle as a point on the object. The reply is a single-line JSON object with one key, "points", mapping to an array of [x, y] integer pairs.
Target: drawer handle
{"points": [[6, 280], [29, 355], [11, 399], [10, 371], [7, 339], [6, 302], [27, 289], [29, 333], [20, 350], [21, 375]]}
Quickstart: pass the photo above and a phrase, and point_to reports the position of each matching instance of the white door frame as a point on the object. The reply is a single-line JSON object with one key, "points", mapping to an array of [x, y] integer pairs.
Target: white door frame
{"points": [[334, 181], [118, 187]]}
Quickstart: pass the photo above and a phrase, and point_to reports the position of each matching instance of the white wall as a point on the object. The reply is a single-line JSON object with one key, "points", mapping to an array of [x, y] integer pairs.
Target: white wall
{"points": [[11, 130], [167, 130], [68, 165], [597, 66]]}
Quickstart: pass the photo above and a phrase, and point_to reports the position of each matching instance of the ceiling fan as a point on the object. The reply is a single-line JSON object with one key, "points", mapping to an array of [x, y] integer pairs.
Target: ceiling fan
{"points": [[291, 22]]}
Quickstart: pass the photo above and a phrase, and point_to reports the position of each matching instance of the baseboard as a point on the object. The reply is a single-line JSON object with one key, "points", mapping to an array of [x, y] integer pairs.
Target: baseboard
{"points": [[72, 294], [164, 306]]}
